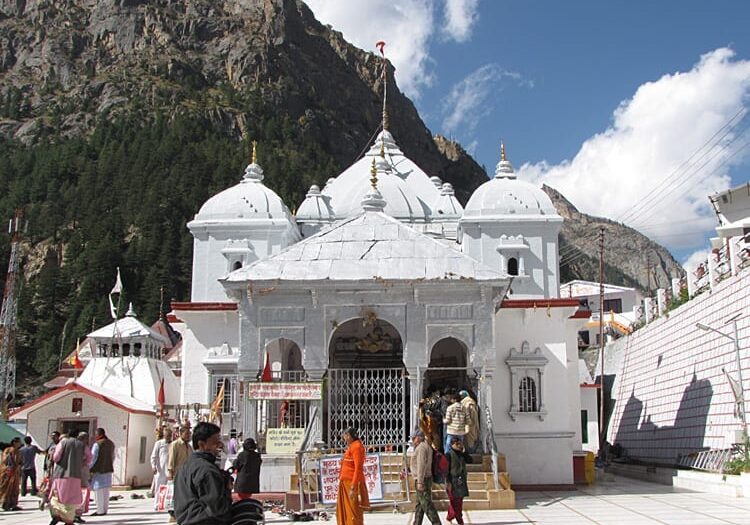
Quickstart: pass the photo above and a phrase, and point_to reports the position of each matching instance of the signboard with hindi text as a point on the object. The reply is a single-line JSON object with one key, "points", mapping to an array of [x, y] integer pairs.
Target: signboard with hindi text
{"points": [[330, 466], [284, 440], [285, 391]]}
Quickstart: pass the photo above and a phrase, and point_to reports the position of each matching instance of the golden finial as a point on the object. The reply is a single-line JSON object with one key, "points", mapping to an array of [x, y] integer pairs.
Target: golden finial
{"points": [[374, 178], [382, 148], [386, 120], [502, 151], [255, 152]]}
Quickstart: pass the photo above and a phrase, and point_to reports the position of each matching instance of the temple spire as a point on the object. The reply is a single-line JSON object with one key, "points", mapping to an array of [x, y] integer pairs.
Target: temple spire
{"points": [[254, 159], [386, 121], [374, 176], [502, 151], [373, 199]]}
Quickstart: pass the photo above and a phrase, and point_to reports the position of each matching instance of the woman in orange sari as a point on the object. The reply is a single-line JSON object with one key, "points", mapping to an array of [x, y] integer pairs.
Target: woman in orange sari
{"points": [[353, 498], [10, 475]]}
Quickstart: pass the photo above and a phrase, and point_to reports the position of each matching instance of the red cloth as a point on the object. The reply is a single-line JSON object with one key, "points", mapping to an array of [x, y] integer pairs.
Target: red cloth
{"points": [[353, 463], [267, 376], [455, 508]]}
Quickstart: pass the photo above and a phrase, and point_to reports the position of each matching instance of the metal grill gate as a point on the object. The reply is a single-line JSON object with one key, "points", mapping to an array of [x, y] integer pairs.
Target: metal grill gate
{"points": [[373, 400]]}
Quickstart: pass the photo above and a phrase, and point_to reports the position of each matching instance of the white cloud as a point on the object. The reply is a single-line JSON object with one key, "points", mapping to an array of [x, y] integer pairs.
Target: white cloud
{"points": [[460, 17], [650, 138], [471, 99], [694, 260], [406, 27]]}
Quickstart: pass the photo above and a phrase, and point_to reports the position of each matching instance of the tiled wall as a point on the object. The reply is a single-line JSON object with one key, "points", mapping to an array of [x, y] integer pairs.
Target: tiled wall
{"points": [[671, 396]]}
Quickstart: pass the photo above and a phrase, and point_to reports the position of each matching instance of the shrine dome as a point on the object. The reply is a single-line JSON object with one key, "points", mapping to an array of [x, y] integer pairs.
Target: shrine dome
{"points": [[506, 196], [248, 200], [407, 190]]}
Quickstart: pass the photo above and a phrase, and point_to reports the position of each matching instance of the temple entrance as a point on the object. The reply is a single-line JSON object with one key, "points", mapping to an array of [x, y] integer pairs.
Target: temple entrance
{"points": [[367, 384], [285, 359], [448, 371]]}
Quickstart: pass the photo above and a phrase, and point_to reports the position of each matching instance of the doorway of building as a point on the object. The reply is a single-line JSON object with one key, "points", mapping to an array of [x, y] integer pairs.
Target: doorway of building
{"points": [[367, 383], [88, 425], [448, 371]]}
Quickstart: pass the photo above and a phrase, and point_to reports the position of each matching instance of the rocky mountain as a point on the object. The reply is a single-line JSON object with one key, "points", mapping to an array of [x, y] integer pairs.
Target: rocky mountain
{"points": [[630, 258], [66, 63]]}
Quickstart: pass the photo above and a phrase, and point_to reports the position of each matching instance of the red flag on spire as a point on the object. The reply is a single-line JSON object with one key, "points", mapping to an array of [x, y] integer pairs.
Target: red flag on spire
{"points": [[161, 398], [380, 44], [266, 376], [75, 360]]}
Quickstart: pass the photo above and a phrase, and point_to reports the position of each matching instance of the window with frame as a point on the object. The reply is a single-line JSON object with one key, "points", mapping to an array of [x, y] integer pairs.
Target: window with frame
{"points": [[512, 266], [228, 403], [527, 395], [142, 451], [613, 305], [77, 405]]}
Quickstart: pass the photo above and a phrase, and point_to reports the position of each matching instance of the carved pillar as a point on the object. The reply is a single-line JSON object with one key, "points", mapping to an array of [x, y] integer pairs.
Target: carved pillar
{"points": [[415, 395]]}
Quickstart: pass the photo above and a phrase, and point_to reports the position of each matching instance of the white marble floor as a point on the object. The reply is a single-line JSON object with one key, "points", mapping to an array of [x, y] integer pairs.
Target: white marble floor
{"points": [[621, 501]]}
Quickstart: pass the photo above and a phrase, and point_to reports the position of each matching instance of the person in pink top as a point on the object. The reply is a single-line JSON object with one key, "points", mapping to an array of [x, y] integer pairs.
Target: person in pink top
{"points": [[71, 456]]}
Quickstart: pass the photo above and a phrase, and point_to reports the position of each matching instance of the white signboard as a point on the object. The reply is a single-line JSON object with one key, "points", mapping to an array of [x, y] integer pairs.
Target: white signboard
{"points": [[285, 390], [330, 466], [284, 440]]}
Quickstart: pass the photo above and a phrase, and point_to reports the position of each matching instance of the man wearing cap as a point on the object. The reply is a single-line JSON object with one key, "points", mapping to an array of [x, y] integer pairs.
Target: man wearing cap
{"points": [[421, 469]]}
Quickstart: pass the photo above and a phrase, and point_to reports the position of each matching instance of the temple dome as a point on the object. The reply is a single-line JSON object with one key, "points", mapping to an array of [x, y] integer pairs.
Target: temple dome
{"points": [[248, 200], [407, 189], [315, 207], [506, 196]]}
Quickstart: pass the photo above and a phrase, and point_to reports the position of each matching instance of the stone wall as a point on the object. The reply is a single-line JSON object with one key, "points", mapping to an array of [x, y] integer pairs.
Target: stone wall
{"points": [[670, 394]]}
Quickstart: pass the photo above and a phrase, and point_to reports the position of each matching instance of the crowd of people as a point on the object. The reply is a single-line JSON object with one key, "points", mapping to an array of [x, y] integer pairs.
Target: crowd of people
{"points": [[448, 415], [72, 468]]}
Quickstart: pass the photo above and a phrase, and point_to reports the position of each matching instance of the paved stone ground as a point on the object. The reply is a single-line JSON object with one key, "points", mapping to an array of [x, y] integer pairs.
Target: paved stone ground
{"points": [[620, 501]]}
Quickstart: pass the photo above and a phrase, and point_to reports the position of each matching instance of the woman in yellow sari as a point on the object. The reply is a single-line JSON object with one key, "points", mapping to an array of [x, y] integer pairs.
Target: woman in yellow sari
{"points": [[353, 498], [10, 475]]}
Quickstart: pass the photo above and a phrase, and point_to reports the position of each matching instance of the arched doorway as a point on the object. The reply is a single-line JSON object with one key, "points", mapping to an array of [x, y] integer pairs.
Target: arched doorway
{"points": [[285, 360], [367, 383], [448, 368]]}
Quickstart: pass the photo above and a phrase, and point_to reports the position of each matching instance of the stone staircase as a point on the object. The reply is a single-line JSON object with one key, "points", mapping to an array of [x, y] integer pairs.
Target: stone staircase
{"points": [[482, 492]]}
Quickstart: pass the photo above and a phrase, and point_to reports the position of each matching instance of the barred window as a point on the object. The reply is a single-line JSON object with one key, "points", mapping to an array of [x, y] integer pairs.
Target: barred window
{"points": [[229, 402], [527, 395]]}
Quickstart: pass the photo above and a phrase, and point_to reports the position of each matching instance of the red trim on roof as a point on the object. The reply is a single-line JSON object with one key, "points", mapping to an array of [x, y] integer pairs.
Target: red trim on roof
{"points": [[590, 385], [540, 303], [581, 314], [172, 318], [202, 307], [76, 387]]}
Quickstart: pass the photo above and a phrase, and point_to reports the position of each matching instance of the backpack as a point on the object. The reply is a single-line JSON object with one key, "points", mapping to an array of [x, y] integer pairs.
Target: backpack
{"points": [[439, 467]]}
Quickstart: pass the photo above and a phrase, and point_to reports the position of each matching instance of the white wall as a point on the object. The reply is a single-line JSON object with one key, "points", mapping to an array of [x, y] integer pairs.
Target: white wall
{"points": [[201, 332], [113, 419], [138, 473], [590, 405], [539, 451]]}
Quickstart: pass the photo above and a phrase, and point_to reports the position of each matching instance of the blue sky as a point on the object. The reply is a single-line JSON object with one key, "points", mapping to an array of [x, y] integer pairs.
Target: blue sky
{"points": [[548, 78]]}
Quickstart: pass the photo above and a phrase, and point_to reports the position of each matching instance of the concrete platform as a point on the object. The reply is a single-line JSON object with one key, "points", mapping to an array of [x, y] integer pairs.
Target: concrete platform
{"points": [[616, 501]]}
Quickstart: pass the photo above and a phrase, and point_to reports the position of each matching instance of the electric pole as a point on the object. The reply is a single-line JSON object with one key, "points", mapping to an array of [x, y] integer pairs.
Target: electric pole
{"points": [[8, 317], [601, 338]]}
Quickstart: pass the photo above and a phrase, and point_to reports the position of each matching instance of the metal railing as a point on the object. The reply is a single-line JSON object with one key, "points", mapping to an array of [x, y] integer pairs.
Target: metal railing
{"points": [[491, 444], [708, 460], [394, 475]]}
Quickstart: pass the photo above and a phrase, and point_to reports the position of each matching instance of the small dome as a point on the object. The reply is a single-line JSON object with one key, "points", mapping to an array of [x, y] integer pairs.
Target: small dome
{"points": [[447, 205], [315, 207], [250, 199], [505, 195]]}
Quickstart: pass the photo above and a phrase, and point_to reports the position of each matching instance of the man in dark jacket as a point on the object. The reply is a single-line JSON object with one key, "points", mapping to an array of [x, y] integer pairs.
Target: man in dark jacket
{"points": [[202, 493]]}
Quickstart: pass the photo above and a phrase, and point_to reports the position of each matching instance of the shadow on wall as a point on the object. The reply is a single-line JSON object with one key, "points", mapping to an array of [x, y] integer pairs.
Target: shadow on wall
{"points": [[648, 442]]}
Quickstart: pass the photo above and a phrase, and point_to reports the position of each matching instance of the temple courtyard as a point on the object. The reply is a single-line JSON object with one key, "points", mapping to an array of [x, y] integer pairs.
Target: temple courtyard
{"points": [[619, 501]]}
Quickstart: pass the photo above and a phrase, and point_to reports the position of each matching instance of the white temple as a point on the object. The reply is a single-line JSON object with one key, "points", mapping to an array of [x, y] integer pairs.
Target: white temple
{"points": [[380, 290]]}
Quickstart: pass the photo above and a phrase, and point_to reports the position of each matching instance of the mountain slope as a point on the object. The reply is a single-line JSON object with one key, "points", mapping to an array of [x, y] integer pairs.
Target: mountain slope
{"points": [[631, 258]]}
